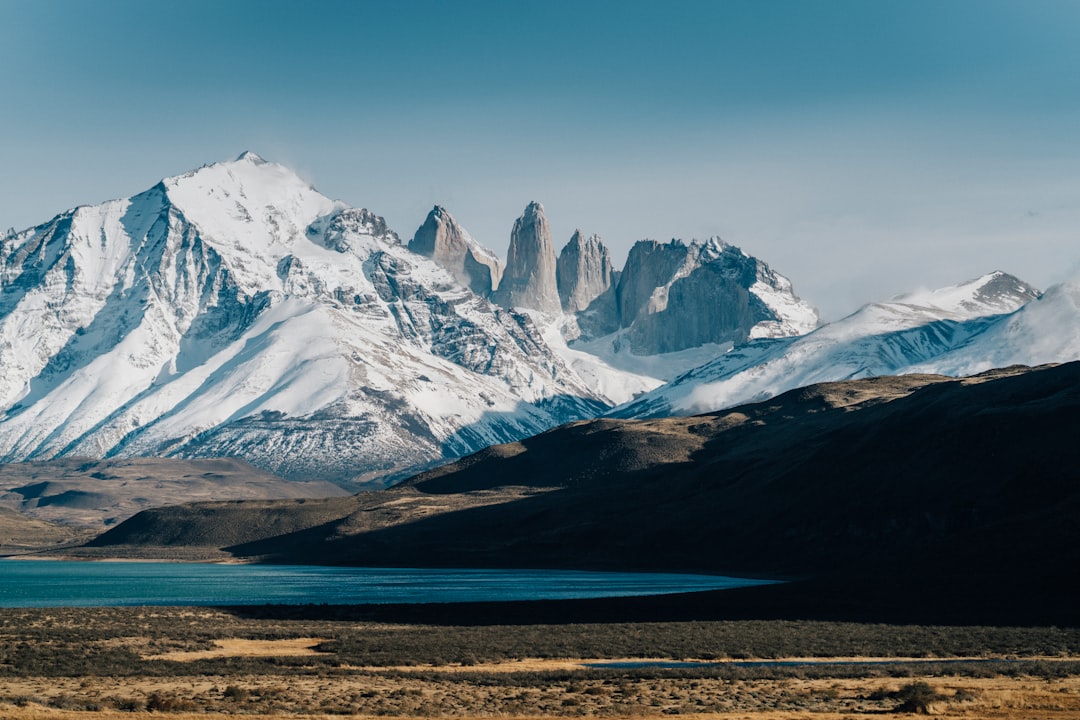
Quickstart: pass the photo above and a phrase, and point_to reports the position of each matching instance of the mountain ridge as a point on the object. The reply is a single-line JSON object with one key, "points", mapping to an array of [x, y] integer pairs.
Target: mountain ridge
{"points": [[234, 310], [904, 334]]}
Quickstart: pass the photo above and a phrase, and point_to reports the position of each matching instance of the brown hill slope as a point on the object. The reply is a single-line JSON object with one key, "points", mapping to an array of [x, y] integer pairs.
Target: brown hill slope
{"points": [[95, 493], [921, 494], [19, 533]]}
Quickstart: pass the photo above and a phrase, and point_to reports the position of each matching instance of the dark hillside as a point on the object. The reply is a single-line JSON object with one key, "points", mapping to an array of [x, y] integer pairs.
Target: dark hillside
{"points": [[922, 494]]}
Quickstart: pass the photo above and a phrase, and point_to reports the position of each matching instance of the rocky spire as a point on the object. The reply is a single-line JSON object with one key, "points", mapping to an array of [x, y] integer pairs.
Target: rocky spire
{"points": [[442, 239], [529, 280], [650, 265], [583, 271]]}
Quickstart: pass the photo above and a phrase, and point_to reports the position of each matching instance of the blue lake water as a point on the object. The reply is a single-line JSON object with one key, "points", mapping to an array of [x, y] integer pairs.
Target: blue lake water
{"points": [[55, 583]]}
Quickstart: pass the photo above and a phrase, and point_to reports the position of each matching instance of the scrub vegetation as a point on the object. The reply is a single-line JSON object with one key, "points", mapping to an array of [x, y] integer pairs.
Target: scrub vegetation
{"points": [[184, 661]]}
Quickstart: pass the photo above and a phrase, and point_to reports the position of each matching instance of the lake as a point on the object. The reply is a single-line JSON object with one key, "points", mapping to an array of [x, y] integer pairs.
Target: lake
{"points": [[56, 583]]}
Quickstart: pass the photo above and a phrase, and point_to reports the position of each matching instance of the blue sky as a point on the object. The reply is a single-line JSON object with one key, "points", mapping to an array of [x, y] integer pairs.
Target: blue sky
{"points": [[861, 147]]}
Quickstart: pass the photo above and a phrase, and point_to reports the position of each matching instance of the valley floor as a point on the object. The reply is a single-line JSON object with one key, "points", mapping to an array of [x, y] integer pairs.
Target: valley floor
{"points": [[105, 663]]}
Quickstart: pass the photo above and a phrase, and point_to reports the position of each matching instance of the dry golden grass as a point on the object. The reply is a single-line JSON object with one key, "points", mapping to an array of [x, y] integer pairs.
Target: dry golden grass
{"points": [[240, 647], [367, 695]]}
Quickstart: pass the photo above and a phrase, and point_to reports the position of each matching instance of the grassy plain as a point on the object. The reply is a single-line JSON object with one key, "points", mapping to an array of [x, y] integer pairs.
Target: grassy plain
{"points": [[104, 663]]}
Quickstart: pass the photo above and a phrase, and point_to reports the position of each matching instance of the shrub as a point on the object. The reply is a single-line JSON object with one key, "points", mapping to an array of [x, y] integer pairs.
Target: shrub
{"points": [[916, 697], [163, 702]]}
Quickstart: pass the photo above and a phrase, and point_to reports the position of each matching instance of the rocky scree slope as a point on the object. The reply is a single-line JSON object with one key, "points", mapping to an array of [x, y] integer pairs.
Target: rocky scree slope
{"points": [[235, 311]]}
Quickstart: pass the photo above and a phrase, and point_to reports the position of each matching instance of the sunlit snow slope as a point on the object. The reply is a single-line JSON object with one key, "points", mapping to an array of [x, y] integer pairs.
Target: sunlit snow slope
{"points": [[236, 311], [955, 330]]}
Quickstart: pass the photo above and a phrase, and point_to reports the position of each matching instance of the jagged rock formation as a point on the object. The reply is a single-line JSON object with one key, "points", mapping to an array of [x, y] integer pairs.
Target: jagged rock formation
{"points": [[676, 296], [583, 271], [529, 280], [443, 240], [235, 311], [650, 265]]}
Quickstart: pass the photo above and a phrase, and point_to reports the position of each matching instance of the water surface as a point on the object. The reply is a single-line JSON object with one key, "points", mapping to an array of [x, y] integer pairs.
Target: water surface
{"points": [[49, 583]]}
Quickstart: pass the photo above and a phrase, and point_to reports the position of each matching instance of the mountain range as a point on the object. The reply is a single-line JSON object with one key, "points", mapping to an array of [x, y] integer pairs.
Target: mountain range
{"points": [[235, 311]]}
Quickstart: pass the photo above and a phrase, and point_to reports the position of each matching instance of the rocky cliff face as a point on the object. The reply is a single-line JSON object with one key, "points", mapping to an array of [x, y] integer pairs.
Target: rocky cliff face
{"points": [[530, 277], [649, 266], [443, 240], [584, 272], [675, 296]]}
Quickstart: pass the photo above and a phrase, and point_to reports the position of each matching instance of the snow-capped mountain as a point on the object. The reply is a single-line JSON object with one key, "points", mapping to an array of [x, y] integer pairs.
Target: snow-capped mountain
{"points": [[234, 310], [1046, 330], [955, 330]]}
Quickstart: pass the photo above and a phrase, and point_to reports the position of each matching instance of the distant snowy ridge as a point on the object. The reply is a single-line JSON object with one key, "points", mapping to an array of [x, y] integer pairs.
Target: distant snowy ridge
{"points": [[234, 310], [946, 331], [1044, 331]]}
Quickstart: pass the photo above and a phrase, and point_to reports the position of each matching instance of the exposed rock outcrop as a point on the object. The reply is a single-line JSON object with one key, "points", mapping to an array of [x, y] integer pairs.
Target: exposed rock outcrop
{"points": [[583, 271], [442, 239], [530, 277], [675, 296], [649, 266]]}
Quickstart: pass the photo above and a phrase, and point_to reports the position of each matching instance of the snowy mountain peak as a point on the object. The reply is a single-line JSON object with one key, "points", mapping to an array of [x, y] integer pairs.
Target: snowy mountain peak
{"points": [[712, 247], [994, 292], [233, 310], [255, 213], [676, 296], [248, 156], [1045, 330]]}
